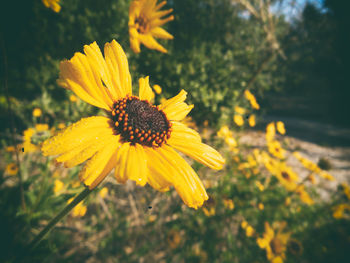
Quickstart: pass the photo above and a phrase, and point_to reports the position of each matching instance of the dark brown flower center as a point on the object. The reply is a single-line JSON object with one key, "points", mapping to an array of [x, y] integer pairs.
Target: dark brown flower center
{"points": [[276, 246], [286, 175], [137, 121], [142, 24]]}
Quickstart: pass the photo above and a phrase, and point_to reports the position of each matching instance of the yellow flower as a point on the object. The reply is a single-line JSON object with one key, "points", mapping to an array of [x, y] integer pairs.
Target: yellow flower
{"points": [[346, 189], [274, 243], [37, 112], [260, 186], [137, 139], [152, 218], [157, 89], [238, 119], [240, 110], [270, 131], [339, 211], [11, 169], [251, 120], [287, 201], [286, 176], [326, 176], [174, 239], [27, 144], [280, 127], [251, 98], [40, 127], [210, 211], [249, 231], [224, 132], [10, 149], [261, 206], [53, 4], [145, 24], [304, 196], [73, 98], [244, 224], [58, 186], [230, 141], [229, 204], [79, 210], [103, 192], [61, 125], [276, 149]]}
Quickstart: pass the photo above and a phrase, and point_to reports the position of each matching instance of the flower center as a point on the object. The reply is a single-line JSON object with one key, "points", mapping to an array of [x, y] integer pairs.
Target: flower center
{"points": [[142, 24], [137, 121], [276, 246], [286, 176]]}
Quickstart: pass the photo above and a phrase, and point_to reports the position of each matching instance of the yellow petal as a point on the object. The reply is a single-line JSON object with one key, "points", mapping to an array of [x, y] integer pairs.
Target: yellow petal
{"points": [[182, 140], [101, 163], [134, 41], [117, 63], [170, 166], [145, 91], [70, 78], [175, 108], [151, 43], [131, 164], [81, 132]]}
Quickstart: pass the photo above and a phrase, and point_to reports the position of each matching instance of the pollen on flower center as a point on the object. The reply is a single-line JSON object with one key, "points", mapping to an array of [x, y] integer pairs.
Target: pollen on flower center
{"points": [[142, 24], [137, 121]]}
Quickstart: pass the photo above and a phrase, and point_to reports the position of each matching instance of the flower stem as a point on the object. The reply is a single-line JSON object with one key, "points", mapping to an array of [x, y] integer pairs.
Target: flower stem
{"points": [[58, 217]]}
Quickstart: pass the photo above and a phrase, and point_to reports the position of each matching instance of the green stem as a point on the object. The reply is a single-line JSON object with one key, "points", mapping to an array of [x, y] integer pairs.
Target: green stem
{"points": [[57, 218]]}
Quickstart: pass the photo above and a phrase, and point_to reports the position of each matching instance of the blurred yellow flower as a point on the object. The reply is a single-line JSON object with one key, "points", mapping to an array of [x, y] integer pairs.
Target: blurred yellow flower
{"points": [[260, 186], [174, 239], [145, 21], [53, 4], [10, 149], [136, 139], [152, 218], [251, 120], [326, 176], [79, 210], [37, 112], [251, 98], [58, 186], [287, 201], [157, 89], [230, 141], [339, 210], [240, 110], [276, 149], [27, 144], [244, 224], [229, 204], [270, 131], [286, 176], [274, 243], [210, 211], [238, 119], [40, 127], [304, 196], [73, 98], [346, 189], [103, 192], [11, 169], [224, 132], [249, 231], [261, 206], [61, 125], [280, 127]]}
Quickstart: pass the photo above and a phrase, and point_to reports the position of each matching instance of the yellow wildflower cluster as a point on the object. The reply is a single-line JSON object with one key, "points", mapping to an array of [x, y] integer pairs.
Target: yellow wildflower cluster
{"points": [[252, 100], [227, 135], [53, 4], [79, 210], [249, 230], [312, 167], [339, 211]]}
